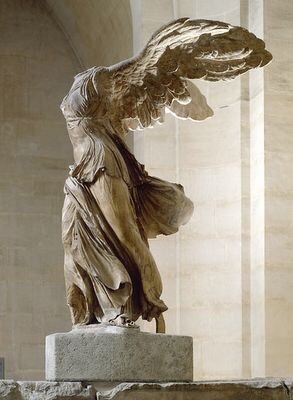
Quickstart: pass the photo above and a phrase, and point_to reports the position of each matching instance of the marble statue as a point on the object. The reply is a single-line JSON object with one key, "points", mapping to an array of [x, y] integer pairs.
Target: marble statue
{"points": [[112, 206]]}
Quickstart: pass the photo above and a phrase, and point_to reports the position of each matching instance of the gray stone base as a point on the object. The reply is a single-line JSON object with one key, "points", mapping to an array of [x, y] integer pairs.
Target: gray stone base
{"points": [[12, 390], [108, 354], [264, 389], [221, 390]]}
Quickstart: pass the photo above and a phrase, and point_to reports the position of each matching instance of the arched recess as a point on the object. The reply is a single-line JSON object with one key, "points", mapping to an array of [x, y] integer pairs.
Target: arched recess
{"points": [[100, 31], [43, 45]]}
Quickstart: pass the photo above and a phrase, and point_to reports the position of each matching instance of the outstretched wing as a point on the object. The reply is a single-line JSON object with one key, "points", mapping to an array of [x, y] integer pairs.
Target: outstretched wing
{"points": [[136, 92]]}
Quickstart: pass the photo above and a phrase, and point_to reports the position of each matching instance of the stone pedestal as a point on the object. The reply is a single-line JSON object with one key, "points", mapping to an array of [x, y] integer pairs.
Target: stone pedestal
{"points": [[259, 389], [112, 354]]}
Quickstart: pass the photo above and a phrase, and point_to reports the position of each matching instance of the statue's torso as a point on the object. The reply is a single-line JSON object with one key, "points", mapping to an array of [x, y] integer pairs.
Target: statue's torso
{"points": [[94, 142]]}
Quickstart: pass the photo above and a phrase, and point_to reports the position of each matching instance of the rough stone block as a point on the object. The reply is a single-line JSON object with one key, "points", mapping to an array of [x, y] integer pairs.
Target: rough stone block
{"points": [[118, 354], [12, 390], [254, 389], [268, 389]]}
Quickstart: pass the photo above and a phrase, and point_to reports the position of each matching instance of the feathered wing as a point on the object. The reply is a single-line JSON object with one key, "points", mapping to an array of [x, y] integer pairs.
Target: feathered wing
{"points": [[136, 92]]}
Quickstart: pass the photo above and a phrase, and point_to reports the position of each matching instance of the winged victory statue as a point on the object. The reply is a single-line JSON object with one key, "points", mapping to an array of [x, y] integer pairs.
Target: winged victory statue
{"points": [[112, 206]]}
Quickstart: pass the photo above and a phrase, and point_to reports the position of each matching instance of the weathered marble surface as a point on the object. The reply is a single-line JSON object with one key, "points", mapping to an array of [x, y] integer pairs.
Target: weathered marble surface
{"points": [[118, 354], [259, 389], [220, 390], [110, 273], [13, 390]]}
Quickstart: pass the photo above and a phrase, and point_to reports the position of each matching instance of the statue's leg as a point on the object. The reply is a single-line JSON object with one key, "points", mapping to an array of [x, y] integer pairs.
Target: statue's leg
{"points": [[160, 324], [76, 304]]}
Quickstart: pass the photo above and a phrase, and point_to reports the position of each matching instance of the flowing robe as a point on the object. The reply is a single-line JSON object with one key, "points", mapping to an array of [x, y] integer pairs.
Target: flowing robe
{"points": [[112, 206]]}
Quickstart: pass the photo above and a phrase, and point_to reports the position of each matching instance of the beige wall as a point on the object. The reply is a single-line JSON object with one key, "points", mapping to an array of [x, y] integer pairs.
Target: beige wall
{"points": [[279, 188], [36, 67], [201, 266], [99, 31], [228, 274], [42, 47], [252, 208]]}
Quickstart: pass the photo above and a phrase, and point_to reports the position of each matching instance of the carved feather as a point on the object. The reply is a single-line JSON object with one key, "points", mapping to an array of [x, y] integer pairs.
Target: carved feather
{"points": [[137, 90]]}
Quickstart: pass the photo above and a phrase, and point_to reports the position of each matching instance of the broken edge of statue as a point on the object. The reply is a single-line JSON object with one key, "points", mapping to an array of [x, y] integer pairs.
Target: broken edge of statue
{"points": [[115, 354]]}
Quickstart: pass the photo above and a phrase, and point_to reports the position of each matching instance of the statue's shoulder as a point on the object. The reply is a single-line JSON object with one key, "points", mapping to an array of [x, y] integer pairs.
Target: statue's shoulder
{"points": [[81, 95]]}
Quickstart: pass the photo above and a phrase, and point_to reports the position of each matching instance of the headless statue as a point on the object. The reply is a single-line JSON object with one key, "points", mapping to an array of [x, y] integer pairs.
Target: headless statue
{"points": [[112, 206]]}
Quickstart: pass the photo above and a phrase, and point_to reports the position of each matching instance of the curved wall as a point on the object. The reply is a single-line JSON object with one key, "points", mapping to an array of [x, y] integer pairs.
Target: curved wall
{"points": [[99, 31], [43, 45], [36, 67]]}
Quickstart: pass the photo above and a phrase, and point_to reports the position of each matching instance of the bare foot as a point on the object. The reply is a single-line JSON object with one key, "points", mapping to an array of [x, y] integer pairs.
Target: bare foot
{"points": [[123, 321]]}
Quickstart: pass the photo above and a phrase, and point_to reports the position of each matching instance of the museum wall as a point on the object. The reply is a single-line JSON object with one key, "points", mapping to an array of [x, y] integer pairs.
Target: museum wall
{"points": [[36, 69], [201, 265], [99, 31], [41, 49], [228, 274], [279, 188]]}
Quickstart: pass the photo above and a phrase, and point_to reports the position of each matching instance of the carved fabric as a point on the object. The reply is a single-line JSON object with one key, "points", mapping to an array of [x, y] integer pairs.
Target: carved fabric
{"points": [[109, 269]]}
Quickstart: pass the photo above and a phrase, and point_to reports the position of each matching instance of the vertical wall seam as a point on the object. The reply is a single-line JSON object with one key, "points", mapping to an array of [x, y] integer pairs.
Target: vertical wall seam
{"points": [[245, 211]]}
